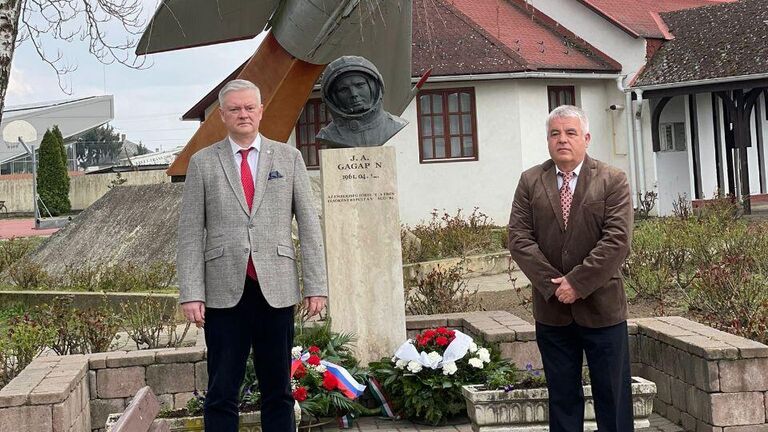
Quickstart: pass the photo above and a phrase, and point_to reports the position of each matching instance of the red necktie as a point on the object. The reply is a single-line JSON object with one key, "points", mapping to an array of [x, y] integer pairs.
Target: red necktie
{"points": [[246, 178], [566, 195]]}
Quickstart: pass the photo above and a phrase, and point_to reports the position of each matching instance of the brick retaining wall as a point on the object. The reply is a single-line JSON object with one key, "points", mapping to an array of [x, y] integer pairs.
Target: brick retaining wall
{"points": [[707, 380]]}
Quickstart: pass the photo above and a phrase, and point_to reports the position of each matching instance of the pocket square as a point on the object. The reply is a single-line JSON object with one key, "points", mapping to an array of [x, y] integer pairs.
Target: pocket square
{"points": [[274, 175]]}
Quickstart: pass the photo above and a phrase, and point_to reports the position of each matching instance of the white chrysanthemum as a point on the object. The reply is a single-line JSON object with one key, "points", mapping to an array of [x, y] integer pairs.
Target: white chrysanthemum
{"points": [[414, 367], [294, 384], [320, 368], [476, 362], [401, 364], [434, 357], [484, 355], [449, 368], [296, 351], [472, 347], [394, 359]]}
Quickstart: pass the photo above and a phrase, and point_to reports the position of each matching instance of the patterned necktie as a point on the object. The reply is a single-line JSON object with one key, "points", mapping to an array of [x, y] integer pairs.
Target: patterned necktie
{"points": [[566, 195], [246, 178]]}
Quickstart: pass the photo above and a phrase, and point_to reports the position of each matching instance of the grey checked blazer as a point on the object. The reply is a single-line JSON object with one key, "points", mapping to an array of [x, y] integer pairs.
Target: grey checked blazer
{"points": [[217, 233]]}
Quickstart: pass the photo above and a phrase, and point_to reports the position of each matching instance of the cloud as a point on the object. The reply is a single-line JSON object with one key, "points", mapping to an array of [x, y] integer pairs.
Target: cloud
{"points": [[18, 86]]}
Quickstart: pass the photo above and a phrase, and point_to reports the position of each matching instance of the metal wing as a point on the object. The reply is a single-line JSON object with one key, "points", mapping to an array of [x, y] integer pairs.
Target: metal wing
{"points": [[179, 24], [319, 31], [316, 31]]}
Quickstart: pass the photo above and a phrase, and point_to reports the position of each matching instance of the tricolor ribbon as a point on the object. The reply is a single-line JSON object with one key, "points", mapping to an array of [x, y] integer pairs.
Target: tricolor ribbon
{"points": [[346, 422], [347, 384], [378, 394]]}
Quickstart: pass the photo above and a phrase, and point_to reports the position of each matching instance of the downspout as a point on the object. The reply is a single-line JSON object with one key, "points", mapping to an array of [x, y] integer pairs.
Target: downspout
{"points": [[630, 137], [639, 145]]}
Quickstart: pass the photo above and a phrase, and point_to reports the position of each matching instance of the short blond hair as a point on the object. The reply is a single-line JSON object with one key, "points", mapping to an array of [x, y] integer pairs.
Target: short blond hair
{"points": [[237, 85]]}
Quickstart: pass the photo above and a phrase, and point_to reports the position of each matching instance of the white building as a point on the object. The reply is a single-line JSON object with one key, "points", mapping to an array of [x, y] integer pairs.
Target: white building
{"points": [[498, 68]]}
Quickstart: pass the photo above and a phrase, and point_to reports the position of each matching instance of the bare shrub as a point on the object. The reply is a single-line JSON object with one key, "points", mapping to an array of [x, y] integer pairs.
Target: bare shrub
{"points": [[442, 290]]}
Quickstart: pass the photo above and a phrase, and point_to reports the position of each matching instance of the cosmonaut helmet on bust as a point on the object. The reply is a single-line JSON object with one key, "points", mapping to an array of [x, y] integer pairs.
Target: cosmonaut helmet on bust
{"points": [[343, 67], [353, 92]]}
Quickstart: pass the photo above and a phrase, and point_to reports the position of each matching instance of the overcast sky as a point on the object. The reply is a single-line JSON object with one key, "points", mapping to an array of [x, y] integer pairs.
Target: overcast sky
{"points": [[148, 103]]}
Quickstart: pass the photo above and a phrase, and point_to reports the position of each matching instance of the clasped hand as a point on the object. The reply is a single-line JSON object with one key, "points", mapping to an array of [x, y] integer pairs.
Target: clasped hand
{"points": [[565, 293]]}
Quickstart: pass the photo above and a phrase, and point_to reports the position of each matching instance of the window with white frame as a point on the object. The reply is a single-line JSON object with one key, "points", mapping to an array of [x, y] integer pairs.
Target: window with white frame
{"points": [[672, 137]]}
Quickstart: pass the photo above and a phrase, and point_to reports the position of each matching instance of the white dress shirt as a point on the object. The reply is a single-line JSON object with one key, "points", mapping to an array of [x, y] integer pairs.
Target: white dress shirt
{"points": [[253, 156], [574, 179]]}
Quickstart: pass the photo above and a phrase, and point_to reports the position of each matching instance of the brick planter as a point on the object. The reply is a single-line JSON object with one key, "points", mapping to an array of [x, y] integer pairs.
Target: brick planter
{"points": [[528, 411]]}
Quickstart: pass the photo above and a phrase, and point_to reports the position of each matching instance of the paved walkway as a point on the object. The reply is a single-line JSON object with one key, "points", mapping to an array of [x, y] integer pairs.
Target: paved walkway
{"points": [[368, 424], [21, 228]]}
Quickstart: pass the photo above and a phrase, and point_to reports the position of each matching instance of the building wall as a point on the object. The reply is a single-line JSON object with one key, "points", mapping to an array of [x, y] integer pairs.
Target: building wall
{"points": [[596, 30], [674, 177], [707, 154], [511, 136], [84, 190]]}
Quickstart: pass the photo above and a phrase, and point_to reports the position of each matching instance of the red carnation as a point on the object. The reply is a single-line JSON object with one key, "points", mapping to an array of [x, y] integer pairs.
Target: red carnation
{"points": [[442, 340], [313, 360], [442, 330], [329, 381], [429, 333], [300, 371], [300, 394], [452, 333], [314, 350]]}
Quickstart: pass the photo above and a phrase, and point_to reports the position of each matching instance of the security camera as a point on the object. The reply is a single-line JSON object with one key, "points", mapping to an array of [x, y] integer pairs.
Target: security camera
{"points": [[615, 107]]}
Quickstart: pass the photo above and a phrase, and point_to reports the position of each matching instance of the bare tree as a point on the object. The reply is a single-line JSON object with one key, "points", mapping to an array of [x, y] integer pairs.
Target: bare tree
{"points": [[41, 21]]}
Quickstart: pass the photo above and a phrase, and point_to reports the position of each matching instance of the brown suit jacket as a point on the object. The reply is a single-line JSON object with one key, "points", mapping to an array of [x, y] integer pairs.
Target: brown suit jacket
{"points": [[589, 253]]}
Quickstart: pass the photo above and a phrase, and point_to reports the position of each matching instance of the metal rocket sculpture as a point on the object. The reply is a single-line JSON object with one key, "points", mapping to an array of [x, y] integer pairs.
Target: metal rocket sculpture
{"points": [[304, 36]]}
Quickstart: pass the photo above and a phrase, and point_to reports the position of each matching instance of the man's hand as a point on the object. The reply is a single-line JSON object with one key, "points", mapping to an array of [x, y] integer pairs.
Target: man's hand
{"points": [[565, 292], [194, 312], [313, 305]]}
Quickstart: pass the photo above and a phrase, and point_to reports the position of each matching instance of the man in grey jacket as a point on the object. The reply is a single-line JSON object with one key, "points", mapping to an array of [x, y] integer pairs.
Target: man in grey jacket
{"points": [[237, 264]]}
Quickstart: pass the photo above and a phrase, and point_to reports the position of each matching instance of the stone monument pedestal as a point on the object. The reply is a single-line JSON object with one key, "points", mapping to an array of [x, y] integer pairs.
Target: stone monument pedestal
{"points": [[362, 248]]}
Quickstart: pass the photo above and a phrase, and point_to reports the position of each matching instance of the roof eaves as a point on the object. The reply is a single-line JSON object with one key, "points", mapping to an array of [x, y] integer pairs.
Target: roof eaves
{"points": [[663, 27], [596, 9], [206, 101]]}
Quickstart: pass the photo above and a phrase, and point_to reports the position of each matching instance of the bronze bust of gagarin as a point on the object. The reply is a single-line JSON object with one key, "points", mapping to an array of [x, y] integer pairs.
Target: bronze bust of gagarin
{"points": [[353, 90]]}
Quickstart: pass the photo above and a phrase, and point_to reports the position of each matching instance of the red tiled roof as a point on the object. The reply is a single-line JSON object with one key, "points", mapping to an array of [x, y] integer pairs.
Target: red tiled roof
{"points": [[636, 17], [522, 32], [472, 37]]}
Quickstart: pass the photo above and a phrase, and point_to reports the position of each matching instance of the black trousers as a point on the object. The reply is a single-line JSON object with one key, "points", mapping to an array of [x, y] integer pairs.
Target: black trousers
{"points": [[230, 334], [607, 349]]}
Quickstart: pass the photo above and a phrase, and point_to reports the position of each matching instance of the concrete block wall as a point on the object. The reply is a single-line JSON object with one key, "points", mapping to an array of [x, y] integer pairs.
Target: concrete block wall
{"points": [[172, 374], [707, 380], [50, 395]]}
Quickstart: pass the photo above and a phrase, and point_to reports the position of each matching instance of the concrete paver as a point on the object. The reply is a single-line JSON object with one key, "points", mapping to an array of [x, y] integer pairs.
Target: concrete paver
{"points": [[369, 424]]}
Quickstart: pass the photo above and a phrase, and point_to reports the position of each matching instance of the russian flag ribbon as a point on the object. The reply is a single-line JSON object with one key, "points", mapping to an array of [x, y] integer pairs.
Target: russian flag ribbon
{"points": [[347, 384]]}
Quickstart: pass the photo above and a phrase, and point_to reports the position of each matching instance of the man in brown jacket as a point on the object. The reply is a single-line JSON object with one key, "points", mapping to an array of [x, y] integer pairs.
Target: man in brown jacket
{"points": [[569, 231]]}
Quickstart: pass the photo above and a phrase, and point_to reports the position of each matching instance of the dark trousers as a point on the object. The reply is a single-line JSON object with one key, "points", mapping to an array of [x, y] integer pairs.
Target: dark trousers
{"points": [[230, 334], [607, 349]]}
